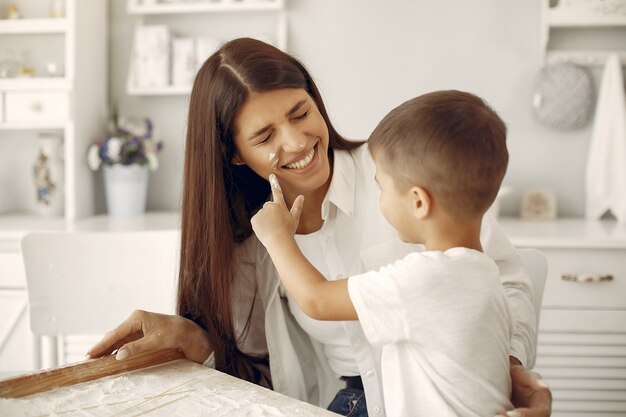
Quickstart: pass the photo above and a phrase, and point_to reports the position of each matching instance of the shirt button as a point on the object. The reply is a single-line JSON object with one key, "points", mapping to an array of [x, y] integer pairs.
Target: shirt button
{"points": [[377, 410], [369, 373]]}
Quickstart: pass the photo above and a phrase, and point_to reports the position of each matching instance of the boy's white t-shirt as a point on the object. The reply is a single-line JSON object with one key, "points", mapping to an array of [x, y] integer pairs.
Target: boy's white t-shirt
{"points": [[444, 325]]}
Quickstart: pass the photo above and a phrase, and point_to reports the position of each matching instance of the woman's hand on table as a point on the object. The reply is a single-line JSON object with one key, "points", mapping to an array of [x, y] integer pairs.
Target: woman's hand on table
{"points": [[530, 395], [144, 331]]}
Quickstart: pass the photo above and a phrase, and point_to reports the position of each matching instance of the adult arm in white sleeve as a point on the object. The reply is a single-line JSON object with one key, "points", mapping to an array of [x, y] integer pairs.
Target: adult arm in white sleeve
{"points": [[518, 289]]}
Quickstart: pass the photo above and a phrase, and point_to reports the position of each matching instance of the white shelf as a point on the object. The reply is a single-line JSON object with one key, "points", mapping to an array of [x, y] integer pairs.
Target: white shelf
{"points": [[33, 126], [35, 84], [32, 26], [586, 13], [582, 22], [170, 90], [208, 7], [590, 58]]}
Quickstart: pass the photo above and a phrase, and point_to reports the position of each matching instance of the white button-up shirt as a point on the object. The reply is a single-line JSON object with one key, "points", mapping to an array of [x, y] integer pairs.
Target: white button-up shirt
{"points": [[353, 239]]}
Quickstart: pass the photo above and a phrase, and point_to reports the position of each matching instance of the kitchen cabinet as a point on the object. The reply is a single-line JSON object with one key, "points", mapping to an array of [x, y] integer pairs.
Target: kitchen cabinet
{"points": [[219, 19], [17, 350], [66, 93], [581, 350]]}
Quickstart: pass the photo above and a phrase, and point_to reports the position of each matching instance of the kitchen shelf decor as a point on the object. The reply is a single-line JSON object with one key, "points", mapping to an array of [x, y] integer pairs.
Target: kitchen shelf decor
{"points": [[164, 60]]}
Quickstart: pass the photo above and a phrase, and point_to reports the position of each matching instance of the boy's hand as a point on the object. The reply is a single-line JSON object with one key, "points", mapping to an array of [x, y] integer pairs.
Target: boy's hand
{"points": [[274, 221]]}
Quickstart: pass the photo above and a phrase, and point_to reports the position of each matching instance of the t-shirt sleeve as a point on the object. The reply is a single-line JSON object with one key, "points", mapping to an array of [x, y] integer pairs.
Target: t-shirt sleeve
{"points": [[376, 301]]}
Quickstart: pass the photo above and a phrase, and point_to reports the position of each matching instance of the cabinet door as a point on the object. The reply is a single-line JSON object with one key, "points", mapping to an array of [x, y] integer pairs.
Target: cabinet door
{"points": [[16, 339], [12, 273], [582, 356]]}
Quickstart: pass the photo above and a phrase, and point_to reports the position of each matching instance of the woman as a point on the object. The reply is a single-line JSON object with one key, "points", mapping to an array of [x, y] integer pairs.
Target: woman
{"points": [[255, 110]]}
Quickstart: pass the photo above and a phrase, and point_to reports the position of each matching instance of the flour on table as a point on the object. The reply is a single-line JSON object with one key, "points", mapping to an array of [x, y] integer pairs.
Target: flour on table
{"points": [[179, 388]]}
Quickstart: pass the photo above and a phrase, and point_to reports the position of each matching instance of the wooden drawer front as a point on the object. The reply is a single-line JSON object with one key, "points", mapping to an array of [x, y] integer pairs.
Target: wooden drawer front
{"points": [[605, 294], [582, 356], [36, 107], [12, 273]]}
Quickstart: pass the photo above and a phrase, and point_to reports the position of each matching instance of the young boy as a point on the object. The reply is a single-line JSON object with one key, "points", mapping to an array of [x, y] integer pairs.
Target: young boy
{"points": [[441, 315]]}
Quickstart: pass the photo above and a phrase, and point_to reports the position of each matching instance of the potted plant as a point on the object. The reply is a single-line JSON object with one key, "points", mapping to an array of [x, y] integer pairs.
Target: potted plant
{"points": [[127, 154]]}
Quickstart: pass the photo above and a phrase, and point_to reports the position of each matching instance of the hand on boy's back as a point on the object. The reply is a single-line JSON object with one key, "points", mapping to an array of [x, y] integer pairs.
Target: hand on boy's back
{"points": [[275, 221]]}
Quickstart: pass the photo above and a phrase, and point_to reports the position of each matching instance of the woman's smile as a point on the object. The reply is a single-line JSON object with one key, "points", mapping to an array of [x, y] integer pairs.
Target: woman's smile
{"points": [[300, 165]]}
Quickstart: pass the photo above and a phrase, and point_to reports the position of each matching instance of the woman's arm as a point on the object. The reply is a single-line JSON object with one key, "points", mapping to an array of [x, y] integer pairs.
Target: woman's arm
{"points": [[517, 287], [530, 395]]}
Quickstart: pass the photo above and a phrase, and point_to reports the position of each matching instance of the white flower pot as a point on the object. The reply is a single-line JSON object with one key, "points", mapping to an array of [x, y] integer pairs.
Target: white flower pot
{"points": [[126, 189]]}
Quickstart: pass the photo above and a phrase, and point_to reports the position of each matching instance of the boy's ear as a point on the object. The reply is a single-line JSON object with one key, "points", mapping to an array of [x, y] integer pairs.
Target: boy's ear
{"points": [[421, 200]]}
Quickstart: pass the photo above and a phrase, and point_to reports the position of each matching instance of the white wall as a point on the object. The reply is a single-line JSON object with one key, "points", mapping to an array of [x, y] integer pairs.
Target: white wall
{"points": [[370, 55]]}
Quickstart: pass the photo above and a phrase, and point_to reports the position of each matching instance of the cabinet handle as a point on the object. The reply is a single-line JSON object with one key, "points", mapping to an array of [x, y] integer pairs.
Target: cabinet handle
{"points": [[587, 277], [36, 107]]}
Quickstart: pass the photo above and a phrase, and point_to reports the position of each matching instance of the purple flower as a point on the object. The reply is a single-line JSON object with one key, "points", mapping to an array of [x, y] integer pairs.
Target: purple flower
{"points": [[129, 142]]}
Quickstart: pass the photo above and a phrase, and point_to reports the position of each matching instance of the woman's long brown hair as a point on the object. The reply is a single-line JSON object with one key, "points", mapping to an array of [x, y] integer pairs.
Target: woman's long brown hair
{"points": [[219, 198]]}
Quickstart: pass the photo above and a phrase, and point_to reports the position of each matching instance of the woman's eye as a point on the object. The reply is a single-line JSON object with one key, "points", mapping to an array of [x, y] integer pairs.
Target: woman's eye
{"points": [[302, 116], [265, 140]]}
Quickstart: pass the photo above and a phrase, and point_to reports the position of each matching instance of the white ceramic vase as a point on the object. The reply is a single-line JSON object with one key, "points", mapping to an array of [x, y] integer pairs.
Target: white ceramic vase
{"points": [[48, 175], [126, 189]]}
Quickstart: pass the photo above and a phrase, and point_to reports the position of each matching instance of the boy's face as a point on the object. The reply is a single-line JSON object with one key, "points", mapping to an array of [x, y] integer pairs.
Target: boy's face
{"points": [[397, 205]]}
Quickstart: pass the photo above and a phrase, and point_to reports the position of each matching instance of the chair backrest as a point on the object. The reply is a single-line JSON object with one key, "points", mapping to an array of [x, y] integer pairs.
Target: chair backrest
{"points": [[89, 282], [536, 266]]}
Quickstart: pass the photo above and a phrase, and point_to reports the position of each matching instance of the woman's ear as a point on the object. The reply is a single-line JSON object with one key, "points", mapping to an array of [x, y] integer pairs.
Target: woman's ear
{"points": [[421, 201], [237, 161]]}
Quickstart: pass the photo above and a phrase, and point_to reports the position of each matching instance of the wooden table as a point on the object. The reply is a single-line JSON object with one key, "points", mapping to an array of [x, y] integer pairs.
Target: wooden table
{"points": [[176, 388]]}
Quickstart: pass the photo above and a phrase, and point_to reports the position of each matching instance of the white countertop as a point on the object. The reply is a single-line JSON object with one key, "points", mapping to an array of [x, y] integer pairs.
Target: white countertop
{"points": [[562, 232], [13, 228], [565, 233]]}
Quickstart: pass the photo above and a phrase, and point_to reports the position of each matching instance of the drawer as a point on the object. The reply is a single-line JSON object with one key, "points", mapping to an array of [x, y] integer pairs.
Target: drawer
{"points": [[581, 354], [566, 293], [36, 107], [12, 273]]}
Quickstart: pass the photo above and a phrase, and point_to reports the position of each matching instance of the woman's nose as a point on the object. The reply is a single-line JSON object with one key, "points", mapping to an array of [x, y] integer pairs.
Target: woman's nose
{"points": [[293, 142]]}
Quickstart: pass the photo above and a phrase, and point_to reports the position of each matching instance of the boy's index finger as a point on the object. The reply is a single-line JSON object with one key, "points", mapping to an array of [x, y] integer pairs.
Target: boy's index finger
{"points": [[277, 192]]}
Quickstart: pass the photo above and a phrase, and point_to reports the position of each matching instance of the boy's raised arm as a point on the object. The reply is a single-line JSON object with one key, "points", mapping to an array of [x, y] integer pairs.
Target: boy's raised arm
{"points": [[275, 226]]}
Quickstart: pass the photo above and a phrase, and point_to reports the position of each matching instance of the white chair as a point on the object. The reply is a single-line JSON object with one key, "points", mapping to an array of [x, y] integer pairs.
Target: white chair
{"points": [[536, 266], [86, 283]]}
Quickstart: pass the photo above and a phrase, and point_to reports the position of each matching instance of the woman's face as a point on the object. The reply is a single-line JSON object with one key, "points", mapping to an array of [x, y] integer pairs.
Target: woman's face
{"points": [[282, 131]]}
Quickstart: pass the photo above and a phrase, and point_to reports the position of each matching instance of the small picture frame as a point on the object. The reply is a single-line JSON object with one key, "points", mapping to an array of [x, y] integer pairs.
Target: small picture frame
{"points": [[538, 203]]}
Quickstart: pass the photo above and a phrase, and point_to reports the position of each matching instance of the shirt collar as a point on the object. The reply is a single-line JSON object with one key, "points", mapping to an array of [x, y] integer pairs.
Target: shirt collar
{"points": [[341, 190]]}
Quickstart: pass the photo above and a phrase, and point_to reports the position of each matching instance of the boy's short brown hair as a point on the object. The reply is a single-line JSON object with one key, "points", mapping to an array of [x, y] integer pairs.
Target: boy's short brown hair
{"points": [[449, 142]]}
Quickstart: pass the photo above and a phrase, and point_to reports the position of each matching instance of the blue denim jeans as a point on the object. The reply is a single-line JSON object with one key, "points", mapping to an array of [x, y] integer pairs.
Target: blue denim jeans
{"points": [[349, 402]]}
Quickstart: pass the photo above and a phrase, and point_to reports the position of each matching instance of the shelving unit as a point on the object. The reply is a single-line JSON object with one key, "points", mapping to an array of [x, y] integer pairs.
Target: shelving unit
{"points": [[583, 15], [227, 9], [75, 105]]}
